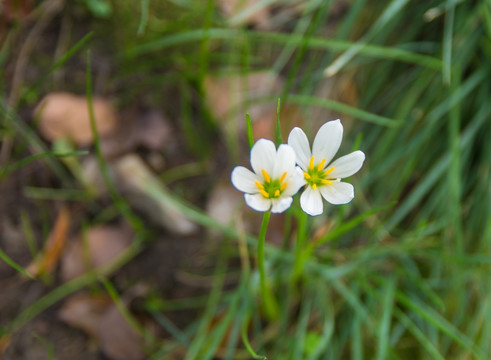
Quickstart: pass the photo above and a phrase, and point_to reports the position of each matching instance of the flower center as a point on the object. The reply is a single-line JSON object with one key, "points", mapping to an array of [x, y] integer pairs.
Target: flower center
{"points": [[316, 175], [271, 188]]}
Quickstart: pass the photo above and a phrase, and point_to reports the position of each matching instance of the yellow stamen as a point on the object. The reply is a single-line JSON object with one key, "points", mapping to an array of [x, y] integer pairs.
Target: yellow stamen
{"points": [[321, 165], [264, 193], [328, 182], [266, 175], [259, 185], [277, 193], [328, 171], [314, 186], [283, 177], [283, 186], [306, 176], [311, 164]]}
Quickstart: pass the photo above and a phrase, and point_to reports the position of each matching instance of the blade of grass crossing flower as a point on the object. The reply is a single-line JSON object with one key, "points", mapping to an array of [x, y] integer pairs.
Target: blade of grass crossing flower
{"points": [[250, 136], [278, 137]]}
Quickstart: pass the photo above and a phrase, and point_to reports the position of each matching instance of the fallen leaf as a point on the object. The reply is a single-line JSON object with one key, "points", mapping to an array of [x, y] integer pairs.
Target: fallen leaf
{"points": [[48, 259], [99, 246], [64, 115], [100, 318]]}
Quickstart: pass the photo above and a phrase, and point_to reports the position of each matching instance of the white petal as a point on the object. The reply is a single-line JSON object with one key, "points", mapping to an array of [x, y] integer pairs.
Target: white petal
{"points": [[338, 193], [311, 201], [263, 155], [244, 179], [285, 161], [257, 202], [300, 143], [347, 165], [327, 141], [281, 204], [295, 182]]}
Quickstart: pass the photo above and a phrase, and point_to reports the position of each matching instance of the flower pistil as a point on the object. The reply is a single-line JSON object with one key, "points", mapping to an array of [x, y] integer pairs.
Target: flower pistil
{"points": [[272, 189], [316, 175]]}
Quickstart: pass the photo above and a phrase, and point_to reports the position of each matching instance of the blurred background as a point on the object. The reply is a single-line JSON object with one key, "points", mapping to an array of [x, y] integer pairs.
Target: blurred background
{"points": [[121, 236]]}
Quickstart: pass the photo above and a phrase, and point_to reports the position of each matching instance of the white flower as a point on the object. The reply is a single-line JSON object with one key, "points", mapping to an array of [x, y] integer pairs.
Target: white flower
{"points": [[274, 180], [321, 176]]}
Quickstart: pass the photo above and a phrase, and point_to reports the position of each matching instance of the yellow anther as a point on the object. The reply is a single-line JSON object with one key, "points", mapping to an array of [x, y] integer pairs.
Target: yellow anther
{"points": [[328, 171], [321, 165], [283, 186], [277, 193], [328, 182], [283, 177], [314, 186], [264, 193], [306, 176], [259, 185], [311, 164], [266, 175]]}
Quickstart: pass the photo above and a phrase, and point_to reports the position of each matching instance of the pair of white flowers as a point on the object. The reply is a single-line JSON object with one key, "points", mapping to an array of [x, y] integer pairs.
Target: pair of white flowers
{"points": [[278, 174]]}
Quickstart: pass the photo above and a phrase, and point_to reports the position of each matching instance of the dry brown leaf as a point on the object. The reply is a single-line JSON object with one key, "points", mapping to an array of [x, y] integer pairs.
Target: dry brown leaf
{"points": [[48, 259], [101, 319], [66, 116], [101, 245]]}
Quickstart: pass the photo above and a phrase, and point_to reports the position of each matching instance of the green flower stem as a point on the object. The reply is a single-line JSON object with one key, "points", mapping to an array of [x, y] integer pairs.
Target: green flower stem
{"points": [[270, 305]]}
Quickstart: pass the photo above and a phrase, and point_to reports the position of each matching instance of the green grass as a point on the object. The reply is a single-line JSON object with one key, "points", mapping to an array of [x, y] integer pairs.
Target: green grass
{"points": [[402, 272]]}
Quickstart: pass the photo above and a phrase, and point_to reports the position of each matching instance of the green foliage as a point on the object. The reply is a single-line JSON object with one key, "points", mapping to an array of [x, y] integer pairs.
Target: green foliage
{"points": [[402, 271]]}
